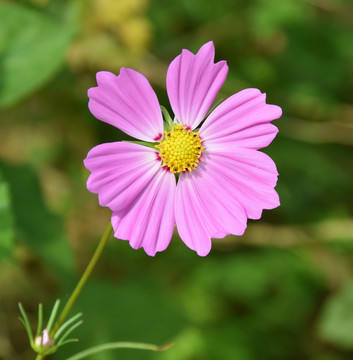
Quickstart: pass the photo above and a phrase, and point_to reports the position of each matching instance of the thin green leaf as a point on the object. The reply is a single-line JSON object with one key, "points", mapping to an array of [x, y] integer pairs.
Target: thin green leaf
{"points": [[50, 351], [68, 332], [28, 330], [53, 315], [40, 320], [68, 341], [26, 323], [118, 345], [167, 119], [65, 325]]}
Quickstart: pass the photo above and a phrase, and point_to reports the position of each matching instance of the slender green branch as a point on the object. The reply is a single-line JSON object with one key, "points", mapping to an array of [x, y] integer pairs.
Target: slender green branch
{"points": [[26, 323], [40, 319], [66, 325], [118, 345], [53, 315], [83, 280]]}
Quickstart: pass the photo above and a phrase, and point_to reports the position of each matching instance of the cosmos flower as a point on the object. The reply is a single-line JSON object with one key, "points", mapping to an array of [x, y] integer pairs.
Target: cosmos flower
{"points": [[202, 173]]}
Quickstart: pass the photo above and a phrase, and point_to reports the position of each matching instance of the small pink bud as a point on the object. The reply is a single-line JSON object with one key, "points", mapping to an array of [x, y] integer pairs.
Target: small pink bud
{"points": [[43, 341]]}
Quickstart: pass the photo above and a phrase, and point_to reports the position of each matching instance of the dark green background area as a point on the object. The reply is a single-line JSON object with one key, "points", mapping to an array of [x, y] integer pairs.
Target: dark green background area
{"points": [[284, 290]]}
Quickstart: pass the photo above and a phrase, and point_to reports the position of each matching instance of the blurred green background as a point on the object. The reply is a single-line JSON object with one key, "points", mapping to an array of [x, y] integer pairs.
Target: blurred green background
{"points": [[284, 290]]}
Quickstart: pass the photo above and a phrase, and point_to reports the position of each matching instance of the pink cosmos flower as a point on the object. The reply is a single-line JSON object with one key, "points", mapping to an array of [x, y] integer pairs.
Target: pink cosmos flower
{"points": [[207, 180]]}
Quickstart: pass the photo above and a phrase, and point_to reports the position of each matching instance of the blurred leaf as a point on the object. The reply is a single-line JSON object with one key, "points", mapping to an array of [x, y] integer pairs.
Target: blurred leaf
{"points": [[315, 180], [242, 300], [36, 227], [125, 311], [32, 48], [336, 323], [6, 220], [189, 344], [269, 14]]}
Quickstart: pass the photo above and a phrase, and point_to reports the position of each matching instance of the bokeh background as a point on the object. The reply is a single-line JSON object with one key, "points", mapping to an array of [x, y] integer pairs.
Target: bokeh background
{"points": [[284, 290]]}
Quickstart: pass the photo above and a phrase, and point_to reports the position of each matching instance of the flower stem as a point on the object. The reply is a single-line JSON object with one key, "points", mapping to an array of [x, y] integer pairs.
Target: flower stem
{"points": [[83, 280]]}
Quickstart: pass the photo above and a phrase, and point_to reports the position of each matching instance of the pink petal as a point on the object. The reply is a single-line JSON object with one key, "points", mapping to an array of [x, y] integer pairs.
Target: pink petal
{"points": [[191, 216], [242, 119], [248, 175], [193, 82], [127, 102], [120, 172], [149, 221], [205, 209]]}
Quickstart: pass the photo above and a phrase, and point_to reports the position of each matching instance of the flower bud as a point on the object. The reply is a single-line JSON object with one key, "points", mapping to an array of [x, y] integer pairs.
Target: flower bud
{"points": [[43, 341]]}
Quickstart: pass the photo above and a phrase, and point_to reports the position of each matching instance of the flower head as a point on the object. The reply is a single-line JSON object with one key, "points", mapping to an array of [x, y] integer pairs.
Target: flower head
{"points": [[203, 174]]}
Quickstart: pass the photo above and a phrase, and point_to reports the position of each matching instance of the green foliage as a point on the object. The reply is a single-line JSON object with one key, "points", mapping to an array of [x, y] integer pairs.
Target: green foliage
{"points": [[321, 177], [6, 220], [251, 303], [336, 323], [242, 301], [123, 313], [36, 227], [32, 48]]}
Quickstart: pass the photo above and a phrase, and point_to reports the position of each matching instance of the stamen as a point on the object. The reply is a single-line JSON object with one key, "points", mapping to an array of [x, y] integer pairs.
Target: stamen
{"points": [[181, 149]]}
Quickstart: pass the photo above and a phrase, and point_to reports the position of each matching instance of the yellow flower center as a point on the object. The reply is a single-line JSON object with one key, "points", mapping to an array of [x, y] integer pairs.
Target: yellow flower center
{"points": [[181, 149]]}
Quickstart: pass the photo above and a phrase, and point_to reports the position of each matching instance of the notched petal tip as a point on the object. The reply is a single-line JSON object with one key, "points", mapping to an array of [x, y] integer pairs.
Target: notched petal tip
{"points": [[207, 49], [203, 252], [244, 119], [222, 64], [208, 44], [251, 92], [128, 102], [276, 111], [90, 92], [104, 76], [148, 222], [193, 81]]}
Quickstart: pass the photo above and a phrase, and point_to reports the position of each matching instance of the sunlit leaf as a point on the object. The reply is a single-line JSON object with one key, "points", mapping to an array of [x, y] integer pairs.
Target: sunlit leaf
{"points": [[36, 227], [336, 324], [32, 49]]}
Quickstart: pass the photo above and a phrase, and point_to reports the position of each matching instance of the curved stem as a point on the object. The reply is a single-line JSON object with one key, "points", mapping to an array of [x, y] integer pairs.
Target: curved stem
{"points": [[83, 280], [118, 345]]}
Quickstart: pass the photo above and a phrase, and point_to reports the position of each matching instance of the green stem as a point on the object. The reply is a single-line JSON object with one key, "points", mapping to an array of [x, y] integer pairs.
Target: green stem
{"points": [[118, 345], [82, 281], [39, 357]]}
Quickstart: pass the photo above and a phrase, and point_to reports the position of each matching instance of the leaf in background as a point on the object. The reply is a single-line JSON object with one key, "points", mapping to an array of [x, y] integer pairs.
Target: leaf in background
{"points": [[6, 220], [336, 323], [32, 48], [36, 227]]}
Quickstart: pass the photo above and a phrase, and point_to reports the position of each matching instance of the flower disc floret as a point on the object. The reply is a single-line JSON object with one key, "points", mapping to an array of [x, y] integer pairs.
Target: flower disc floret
{"points": [[181, 149]]}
